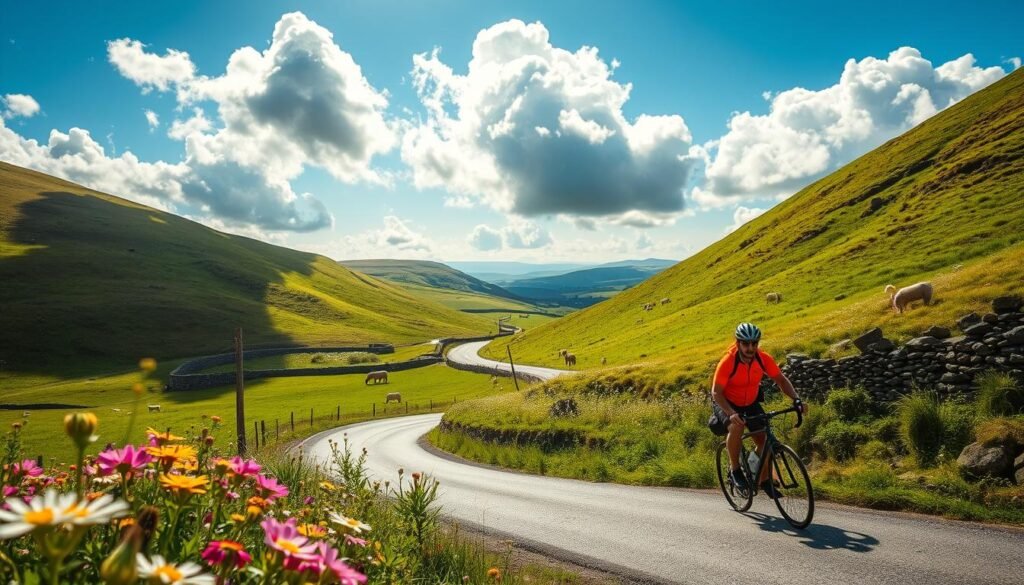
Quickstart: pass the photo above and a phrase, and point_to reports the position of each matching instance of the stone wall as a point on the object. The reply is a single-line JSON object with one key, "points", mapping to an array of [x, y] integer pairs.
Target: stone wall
{"points": [[935, 360]]}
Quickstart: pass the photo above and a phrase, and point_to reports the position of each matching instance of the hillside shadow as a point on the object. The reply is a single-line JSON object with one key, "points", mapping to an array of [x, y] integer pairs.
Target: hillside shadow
{"points": [[93, 285], [817, 536]]}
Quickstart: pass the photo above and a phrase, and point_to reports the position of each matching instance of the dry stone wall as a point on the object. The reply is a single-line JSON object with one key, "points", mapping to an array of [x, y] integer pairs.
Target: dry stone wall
{"points": [[936, 360]]}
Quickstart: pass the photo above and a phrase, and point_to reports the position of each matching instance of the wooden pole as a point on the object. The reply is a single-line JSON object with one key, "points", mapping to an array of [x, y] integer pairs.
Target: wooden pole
{"points": [[310, 418], [293, 421], [239, 392], [374, 409], [256, 434], [263, 432], [513, 366], [337, 415]]}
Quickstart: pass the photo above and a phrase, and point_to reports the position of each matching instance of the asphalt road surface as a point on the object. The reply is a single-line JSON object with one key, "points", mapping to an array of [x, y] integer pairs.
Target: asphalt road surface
{"points": [[467, 354], [656, 535]]}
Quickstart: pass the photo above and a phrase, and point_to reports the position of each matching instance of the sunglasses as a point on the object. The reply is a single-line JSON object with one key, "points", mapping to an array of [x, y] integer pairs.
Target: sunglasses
{"points": [[749, 343]]}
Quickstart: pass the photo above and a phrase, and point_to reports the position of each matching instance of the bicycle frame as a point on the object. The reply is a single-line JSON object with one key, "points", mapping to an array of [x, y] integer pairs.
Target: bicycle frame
{"points": [[770, 444]]}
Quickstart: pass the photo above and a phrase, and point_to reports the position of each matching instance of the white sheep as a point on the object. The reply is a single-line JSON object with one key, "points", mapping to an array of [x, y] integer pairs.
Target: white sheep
{"points": [[153, 407], [774, 297], [901, 299]]}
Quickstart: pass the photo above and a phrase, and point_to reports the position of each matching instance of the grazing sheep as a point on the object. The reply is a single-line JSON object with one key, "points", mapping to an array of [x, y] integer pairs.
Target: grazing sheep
{"points": [[666, 301], [396, 396], [901, 299], [25, 414], [570, 359], [377, 376], [562, 352], [773, 297], [115, 409], [604, 361], [153, 407]]}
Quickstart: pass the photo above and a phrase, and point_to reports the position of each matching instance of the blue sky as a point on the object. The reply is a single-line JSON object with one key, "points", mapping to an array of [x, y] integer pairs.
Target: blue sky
{"points": [[504, 170]]}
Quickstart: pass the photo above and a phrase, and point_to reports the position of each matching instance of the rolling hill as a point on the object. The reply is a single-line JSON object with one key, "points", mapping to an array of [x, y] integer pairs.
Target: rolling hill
{"points": [[582, 288], [93, 281], [943, 202], [429, 274]]}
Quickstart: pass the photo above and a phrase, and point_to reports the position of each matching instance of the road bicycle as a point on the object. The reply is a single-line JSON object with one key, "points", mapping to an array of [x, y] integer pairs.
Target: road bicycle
{"points": [[788, 474]]}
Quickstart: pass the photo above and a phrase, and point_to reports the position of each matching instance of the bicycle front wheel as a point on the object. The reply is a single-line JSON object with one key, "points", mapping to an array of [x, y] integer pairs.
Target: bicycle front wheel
{"points": [[796, 495], [738, 497]]}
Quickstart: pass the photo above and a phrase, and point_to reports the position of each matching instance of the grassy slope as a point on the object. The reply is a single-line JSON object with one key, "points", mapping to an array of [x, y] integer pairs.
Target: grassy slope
{"points": [[93, 282], [428, 274], [952, 188]]}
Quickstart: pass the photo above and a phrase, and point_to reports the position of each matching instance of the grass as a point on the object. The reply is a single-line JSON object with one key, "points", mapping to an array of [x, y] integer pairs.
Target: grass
{"points": [[951, 214], [315, 359], [271, 400], [663, 440], [92, 282]]}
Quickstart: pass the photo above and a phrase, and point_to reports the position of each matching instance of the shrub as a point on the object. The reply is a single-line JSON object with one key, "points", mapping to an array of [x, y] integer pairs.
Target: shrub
{"points": [[1002, 430], [887, 430], [921, 426], [849, 404], [803, 438], [840, 440], [999, 395], [875, 450], [957, 427]]}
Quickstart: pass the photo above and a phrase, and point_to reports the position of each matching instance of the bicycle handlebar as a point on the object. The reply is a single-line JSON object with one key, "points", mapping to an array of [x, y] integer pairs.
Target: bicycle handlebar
{"points": [[797, 408]]}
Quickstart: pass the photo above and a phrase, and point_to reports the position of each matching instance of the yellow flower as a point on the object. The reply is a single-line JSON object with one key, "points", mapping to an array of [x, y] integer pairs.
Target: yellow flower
{"points": [[81, 427], [163, 438], [494, 573], [238, 518], [187, 465], [138, 388], [169, 454], [147, 364], [312, 530], [183, 485], [328, 486]]}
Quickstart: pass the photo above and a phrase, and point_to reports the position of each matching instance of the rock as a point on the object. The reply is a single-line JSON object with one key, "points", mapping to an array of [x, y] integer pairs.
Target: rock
{"points": [[967, 320], [923, 341], [839, 297], [936, 332], [1007, 304], [1015, 335], [882, 346], [977, 330], [564, 407], [839, 346], [1019, 476], [977, 461], [1018, 463], [990, 318], [1015, 359], [863, 343]]}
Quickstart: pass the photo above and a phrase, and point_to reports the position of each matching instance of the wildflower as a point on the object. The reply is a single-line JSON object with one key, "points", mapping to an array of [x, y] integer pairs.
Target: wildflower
{"points": [[124, 461], [269, 488], [312, 530], [9, 490], [186, 465], [120, 567], [183, 485], [285, 537], [494, 573], [328, 486], [147, 364], [138, 388], [156, 438], [48, 510], [99, 511], [216, 419], [352, 524], [28, 467], [226, 552], [160, 572], [308, 500], [81, 427], [16, 426], [349, 539], [167, 455], [243, 467], [237, 518]]}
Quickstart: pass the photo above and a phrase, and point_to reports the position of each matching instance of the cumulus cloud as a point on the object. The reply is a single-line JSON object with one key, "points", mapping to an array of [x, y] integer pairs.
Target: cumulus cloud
{"points": [[535, 129], [19, 105], [742, 215], [198, 124], [643, 242], [396, 238], [526, 234], [809, 133], [485, 238], [148, 70], [152, 119]]}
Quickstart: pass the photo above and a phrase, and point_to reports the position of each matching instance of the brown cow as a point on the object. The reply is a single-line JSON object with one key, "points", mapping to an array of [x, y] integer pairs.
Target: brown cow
{"points": [[375, 377]]}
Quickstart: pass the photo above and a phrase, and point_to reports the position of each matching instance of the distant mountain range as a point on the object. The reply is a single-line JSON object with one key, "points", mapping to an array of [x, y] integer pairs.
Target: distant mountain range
{"points": [[426, 273], [505, 273]]}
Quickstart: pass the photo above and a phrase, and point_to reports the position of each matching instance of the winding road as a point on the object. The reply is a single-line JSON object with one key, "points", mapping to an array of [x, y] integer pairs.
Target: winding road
{"points": [[468, 353], [671, 535]]}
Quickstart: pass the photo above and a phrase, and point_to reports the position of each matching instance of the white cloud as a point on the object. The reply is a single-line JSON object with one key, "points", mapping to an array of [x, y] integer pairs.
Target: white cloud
{"points": [[152, 119], [485, 238], [642, 219], [537, 130], [809, 133], [1014, 61], [19, 105], [197, 124], [742, 215], [643, 242], [397, 234], [394, 239], [148, 70], [526, 234]]}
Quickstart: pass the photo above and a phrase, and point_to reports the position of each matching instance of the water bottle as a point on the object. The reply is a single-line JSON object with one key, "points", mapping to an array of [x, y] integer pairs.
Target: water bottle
{"points": [[752, 461]]}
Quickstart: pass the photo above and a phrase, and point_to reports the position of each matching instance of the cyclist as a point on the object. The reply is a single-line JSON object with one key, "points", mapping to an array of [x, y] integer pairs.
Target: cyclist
{"points": [[735, 393]]}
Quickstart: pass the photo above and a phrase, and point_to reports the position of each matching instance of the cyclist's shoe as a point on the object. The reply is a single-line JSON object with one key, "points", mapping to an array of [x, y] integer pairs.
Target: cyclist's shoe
{"points": [[739, 481], [768, 487]]}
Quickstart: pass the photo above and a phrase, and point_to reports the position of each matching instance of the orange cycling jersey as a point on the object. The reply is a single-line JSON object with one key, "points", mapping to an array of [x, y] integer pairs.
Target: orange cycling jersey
{"points": [[740, 380]]}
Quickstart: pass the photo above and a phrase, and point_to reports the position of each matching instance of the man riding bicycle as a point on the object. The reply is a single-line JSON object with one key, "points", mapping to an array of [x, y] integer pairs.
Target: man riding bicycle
{"points": [[735, 392]]}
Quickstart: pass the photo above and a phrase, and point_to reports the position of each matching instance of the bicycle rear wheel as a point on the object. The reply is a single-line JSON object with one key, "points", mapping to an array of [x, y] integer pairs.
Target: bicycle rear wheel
{"points": [[739, 499], [796, 494]]}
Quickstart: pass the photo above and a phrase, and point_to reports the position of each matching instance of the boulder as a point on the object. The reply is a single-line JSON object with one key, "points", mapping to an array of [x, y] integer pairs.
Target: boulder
{"points": [[882, 346], [1007, 304], [1018, 463], [967, 320], [978, 330], [990, 318], [1015, 336], [839, 297], [977, 461], [936, 332], [839, 346], [923, 341], [863, 343]]}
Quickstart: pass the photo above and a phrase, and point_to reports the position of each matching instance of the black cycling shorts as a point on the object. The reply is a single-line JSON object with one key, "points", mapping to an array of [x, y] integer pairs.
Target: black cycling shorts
{"points": [[719, 424]]}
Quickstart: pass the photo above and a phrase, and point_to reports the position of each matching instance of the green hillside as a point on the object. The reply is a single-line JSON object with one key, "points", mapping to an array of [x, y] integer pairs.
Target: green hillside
{"points": [[93, 282], [942, 202], [427, 274]]}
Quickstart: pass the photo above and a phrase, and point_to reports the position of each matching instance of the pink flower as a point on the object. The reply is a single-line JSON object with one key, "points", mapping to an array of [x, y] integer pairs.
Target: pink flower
{"points": [[226, 552], [309, 500], [9, 490], [123, 461], [285, 537], [231, 496], [269, 488], [28, 467], [244, 467], [349, 539]]}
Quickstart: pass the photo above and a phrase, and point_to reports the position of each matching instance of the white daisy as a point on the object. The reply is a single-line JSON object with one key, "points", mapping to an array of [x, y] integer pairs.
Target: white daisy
{"points": [[43, 511], [160, 572], [99, 511], [352, 524]]}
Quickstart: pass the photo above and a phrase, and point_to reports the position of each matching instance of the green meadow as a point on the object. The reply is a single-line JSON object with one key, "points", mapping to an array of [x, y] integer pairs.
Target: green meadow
{"points": [[325, 359]]}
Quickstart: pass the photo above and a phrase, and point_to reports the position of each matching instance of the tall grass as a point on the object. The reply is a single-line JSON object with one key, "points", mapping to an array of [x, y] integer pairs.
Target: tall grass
{"points": [[999, 395], [921, 426]]}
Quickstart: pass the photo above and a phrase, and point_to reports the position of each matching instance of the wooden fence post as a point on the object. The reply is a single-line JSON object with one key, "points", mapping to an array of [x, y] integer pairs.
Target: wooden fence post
{"points": [[310, 418], [374, 409], [338, 415], [293, 421], [263, 432], [256, 434]]}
